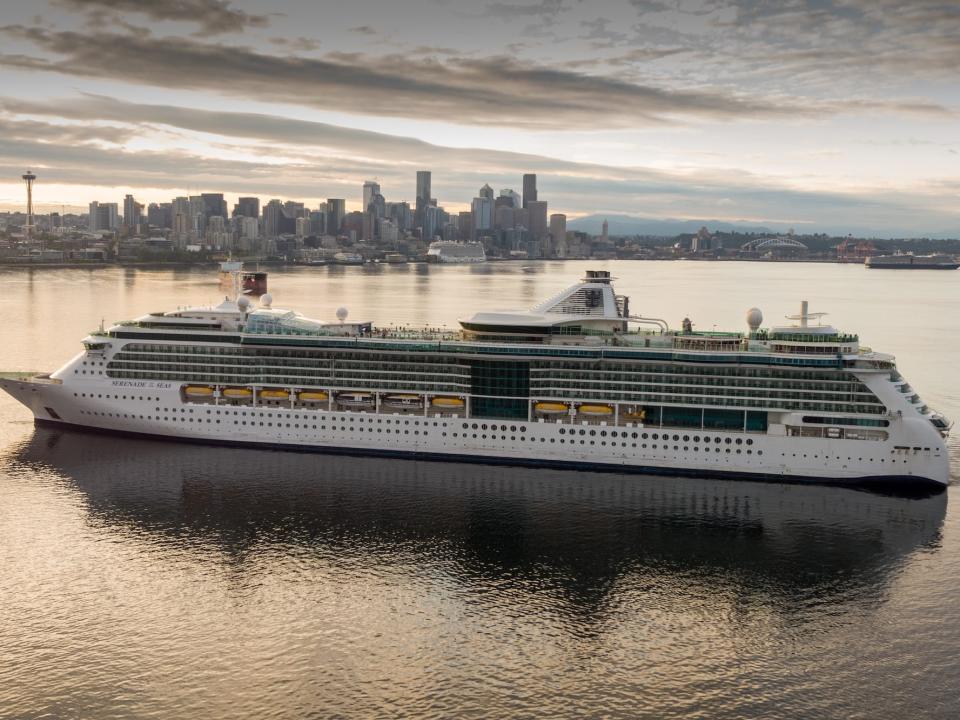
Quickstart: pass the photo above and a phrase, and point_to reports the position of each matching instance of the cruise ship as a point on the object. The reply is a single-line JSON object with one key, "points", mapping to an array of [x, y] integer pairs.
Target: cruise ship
{"points": [[452, 252], [576, 381], [908, 261]]}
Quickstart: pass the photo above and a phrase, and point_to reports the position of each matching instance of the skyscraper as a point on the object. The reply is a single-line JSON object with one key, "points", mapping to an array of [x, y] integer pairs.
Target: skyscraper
{"points": [[558, 234], [537, 211], [131, 212], [424, 196], [529, 189], [370, 188], [336, 211], [483, 212], [424, 191], [486, 192], [247, 207], [213, 206]]}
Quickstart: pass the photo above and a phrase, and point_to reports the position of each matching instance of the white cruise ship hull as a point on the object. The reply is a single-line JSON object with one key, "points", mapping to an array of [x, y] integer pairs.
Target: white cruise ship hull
{"points": [[913, 455]]}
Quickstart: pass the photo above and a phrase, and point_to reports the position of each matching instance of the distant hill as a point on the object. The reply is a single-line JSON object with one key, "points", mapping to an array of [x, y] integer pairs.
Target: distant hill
{"points": [[633, 225]]}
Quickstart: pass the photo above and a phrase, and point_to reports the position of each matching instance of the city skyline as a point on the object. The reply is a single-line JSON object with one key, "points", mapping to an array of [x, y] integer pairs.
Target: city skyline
{"points": [[836, 118]]}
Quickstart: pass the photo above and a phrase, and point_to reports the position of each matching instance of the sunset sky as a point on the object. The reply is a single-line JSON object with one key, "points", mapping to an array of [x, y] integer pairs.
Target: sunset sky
{"points": [[825, 115]]}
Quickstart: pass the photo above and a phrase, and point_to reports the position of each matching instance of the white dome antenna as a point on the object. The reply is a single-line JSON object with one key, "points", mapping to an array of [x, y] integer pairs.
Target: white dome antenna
{"points": [[342, 313], [266, 300], [754, 318], [243, 303]]}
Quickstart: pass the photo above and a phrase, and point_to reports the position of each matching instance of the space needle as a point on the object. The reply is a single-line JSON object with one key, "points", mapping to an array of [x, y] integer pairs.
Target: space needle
{"points": [[28, 178]]}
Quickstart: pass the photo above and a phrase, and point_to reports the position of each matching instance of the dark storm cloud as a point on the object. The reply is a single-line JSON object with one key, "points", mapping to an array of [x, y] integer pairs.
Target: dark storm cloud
{"points": [[213, 16], [486, 91]]}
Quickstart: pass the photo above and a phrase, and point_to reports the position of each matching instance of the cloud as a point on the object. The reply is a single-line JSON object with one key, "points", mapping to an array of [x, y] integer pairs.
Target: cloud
{"points": [[363, 30], [213, 16], [332, 161], [480, 91]]}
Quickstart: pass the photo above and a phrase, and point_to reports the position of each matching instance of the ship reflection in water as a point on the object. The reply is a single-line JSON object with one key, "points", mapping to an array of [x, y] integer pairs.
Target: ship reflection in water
{"points": [[359, 586]]}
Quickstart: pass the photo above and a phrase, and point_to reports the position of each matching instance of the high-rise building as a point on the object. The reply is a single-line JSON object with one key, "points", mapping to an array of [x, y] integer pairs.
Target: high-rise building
{"points": [[512, 196], [198, 215], [606, 230], [537, 220], [432, 222], [465, 224], [370, 188], [424, 195], [247, 207], [280, 218], [180, 206], [529, 189], [424, 191], [401, 214], [482, 208], [558, 235], [336, 211], [486, 192], [131, 212], [213, 205], [159, 215], [103, 216]]}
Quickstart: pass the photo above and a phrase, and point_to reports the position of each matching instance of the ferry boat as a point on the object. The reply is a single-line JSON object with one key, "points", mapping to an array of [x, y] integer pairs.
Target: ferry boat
{"points": [[909, 261], [451, 252], [576, 381]]}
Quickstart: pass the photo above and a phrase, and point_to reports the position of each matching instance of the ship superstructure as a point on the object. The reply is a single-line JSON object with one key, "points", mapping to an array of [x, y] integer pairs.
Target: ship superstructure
{"points": [[575, 381]]}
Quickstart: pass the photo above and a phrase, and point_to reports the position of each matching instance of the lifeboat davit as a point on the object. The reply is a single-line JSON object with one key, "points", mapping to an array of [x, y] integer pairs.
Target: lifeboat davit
{"points": [[236, 393], [198, 391], [313, 396], [550, 408], [357, 399], [274, 394], [447, 402], [595, 410]]}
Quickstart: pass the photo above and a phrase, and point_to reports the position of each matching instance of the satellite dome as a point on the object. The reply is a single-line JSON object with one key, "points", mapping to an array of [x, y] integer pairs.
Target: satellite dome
{"points": [[243, 302], [341, 314], [266, 300], [754, 318]]}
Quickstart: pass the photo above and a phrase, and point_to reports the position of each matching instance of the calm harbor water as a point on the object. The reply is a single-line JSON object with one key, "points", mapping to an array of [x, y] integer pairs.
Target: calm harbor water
{"points": [[149, 579]]}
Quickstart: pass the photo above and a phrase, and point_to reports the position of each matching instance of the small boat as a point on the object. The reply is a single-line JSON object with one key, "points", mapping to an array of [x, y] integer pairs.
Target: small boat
{"points": [[595, 410], [236, 393], [274, 394], [447, 402], [357, 399], [550, 408], [403, 401], [313, 396], [198, 391]]}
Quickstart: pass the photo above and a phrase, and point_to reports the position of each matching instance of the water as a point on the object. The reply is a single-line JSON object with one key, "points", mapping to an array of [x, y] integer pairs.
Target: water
{"points": [[143, 578]]}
